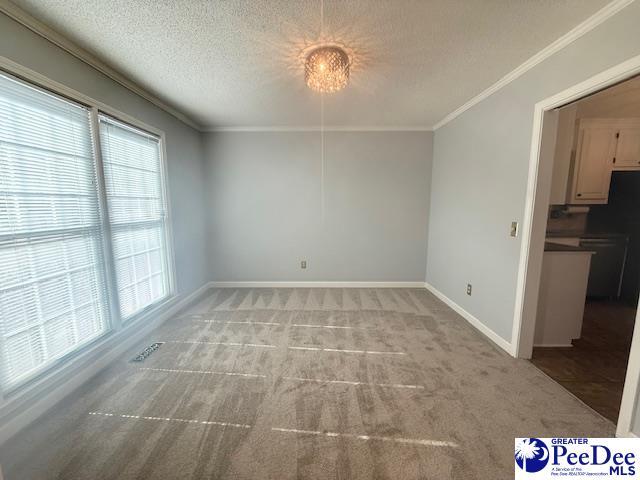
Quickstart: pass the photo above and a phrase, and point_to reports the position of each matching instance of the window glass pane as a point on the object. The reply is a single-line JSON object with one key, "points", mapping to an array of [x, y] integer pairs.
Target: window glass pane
{"points": [[52, 291], [137, 212]]}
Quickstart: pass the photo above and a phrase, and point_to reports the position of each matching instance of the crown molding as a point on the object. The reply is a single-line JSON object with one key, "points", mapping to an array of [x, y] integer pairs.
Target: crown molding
{"points": [[36, 26], [589, 24], [316, 128]]}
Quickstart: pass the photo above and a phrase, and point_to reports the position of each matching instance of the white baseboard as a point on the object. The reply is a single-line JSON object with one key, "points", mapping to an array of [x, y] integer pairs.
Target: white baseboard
{"points": [[493, 336], [20, 411], [316, 284]]}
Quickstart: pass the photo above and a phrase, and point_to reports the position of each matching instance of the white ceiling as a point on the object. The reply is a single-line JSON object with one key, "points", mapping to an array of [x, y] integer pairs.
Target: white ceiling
{"points": [[236, 63]]}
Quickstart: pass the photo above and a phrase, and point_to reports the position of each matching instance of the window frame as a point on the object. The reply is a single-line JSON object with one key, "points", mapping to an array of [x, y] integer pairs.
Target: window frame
{"points": [[114, 303], [115, 323]]}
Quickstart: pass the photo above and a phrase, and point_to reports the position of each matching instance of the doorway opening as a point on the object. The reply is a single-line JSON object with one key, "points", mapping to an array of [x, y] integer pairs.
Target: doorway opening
{"points": [[579, 275]]}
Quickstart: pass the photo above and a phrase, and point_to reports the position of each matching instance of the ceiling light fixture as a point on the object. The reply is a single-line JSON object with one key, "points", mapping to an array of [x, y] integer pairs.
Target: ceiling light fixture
{"points": [[326, 69]]}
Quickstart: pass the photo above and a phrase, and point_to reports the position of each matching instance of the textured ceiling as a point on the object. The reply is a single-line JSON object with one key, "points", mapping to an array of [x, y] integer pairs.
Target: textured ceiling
{"points": [[236, 63]]}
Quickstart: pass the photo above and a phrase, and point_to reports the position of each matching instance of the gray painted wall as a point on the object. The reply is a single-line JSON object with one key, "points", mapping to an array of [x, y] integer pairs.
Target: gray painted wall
{"points": [[184, 147], [265, 205], [480, 174]]}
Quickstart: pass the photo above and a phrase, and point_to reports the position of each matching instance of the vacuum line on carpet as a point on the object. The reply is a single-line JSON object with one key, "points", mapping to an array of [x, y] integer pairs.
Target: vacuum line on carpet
{"points": [[237, 323], [411, 441], [295, 379], [229, 344], [347, 382], [325, 326], [210, 372], [261, 345], [169, 419], [300, 325], [369, 352]]}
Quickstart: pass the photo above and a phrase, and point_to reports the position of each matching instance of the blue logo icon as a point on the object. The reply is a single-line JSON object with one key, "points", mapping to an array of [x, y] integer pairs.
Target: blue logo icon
{"points": [[532, 455]]}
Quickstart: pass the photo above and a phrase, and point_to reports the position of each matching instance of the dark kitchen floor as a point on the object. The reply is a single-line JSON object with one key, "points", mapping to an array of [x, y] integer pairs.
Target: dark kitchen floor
{"points": [[594, 368]]}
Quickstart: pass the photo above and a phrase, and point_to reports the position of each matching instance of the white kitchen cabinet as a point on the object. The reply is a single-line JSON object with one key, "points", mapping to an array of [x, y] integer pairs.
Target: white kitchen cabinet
{"points": [[562, 296], [584, 158], [594, 162], [628, 148]]}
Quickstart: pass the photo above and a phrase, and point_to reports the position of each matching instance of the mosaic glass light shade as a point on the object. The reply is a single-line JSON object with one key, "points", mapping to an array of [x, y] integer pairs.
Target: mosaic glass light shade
{"points": [[326, 69]]}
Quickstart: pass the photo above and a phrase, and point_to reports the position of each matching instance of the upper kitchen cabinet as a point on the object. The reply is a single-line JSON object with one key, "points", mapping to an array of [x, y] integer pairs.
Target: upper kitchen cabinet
{"points": [[594, 162], [628, 148], [587, 151]]}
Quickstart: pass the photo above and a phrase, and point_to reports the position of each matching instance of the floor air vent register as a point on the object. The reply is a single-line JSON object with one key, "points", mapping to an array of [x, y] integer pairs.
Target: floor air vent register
{"points": [[142, 356]]}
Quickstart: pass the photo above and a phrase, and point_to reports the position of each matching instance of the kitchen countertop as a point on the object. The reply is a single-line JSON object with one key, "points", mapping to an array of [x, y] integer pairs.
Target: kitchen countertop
{"points": [[565, 234], [557, 247], [576, 234]]}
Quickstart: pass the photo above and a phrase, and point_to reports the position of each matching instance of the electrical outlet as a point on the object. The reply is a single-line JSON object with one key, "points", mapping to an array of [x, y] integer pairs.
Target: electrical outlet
{"points": [[468, 289], [303, 264]]}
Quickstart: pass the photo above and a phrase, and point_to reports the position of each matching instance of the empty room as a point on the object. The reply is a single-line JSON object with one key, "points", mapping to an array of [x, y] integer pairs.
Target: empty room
{"points": [[319, 239]]}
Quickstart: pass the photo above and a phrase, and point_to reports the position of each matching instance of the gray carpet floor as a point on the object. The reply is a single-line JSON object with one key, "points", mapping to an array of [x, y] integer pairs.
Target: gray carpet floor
{"points": [[304, 383]]}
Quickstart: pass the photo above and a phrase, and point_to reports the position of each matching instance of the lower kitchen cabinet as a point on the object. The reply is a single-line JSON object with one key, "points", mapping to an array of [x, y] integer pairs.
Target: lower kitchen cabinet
{"points": [[562, 296]]}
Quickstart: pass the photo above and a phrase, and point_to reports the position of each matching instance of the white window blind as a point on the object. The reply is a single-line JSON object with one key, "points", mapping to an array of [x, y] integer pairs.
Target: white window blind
{"points": [[137, 214], [53, 297]]}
